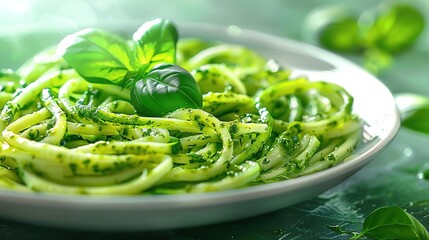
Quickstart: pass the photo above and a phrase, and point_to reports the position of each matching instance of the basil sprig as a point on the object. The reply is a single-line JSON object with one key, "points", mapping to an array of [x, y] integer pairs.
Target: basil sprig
{"points": [[376, 34], [392, 223], [103, 57]]}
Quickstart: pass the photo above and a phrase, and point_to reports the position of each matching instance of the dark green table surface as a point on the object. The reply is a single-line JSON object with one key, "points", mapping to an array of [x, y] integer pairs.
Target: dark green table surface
{"points": [[390, 179]]}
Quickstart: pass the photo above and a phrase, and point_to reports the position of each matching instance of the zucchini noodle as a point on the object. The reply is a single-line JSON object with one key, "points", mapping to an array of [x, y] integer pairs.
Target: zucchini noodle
{"points": [[62, 134]]}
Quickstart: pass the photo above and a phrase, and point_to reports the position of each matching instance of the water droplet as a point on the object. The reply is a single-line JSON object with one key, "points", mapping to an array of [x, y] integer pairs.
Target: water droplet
{"points": [[408, 152], [423, 173], [234, 30]]}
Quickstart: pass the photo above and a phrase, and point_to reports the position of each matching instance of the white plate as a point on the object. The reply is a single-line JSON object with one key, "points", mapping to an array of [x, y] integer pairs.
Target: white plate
{"points": [[373, 102]]}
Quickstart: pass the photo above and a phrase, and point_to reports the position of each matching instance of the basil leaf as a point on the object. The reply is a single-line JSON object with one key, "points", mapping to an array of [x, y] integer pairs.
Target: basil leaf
{"points": [[396, 28], [98, 56], [156, 43], [341, 35], [164, 89], [414, 110], [334, 27], [393, 223]]}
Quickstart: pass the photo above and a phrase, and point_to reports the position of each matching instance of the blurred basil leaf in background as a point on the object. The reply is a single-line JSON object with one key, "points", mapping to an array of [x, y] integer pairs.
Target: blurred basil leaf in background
{"points": [[376, 60], [414, 110], [395, 28], [375, 34], [334, 27]]}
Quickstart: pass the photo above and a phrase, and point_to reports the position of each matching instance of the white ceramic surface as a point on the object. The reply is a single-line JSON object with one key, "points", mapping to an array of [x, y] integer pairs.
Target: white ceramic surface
{"points": [[373, 102]]}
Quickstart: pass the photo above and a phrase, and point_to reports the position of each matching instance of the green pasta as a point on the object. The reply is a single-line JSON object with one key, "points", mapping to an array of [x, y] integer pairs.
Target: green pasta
{"points": [[65, 130]]}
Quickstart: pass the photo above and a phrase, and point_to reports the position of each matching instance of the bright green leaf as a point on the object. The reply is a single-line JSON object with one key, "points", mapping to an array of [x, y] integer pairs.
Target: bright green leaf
{"points": [[376, 61], [414, 110], [395, 28], [98, 56], [393, 223], [156, 43], [335, 28], [341, 35]]}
